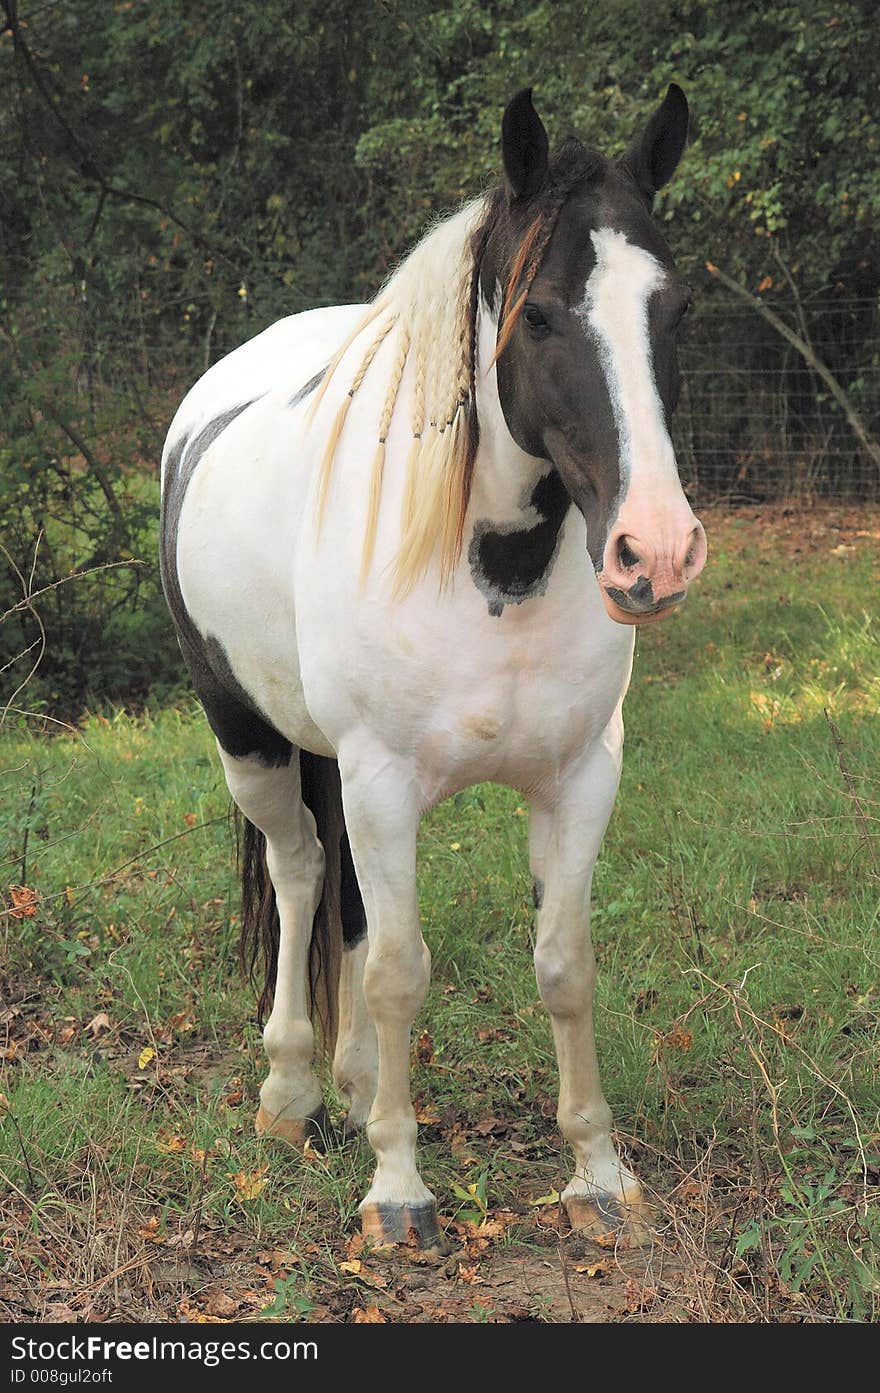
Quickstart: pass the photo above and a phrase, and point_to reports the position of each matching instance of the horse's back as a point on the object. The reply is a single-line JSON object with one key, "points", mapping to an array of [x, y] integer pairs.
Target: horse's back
{"points": [[284, 357]]}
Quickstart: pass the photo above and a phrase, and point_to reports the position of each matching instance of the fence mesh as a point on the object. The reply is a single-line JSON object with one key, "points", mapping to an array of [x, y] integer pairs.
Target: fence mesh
{"points": [[755, 421]]}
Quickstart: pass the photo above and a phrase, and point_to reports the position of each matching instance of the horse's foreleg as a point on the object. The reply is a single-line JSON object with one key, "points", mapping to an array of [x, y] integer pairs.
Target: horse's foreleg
{"points": [[382, 815], [602, 1196], [290, 1099]]}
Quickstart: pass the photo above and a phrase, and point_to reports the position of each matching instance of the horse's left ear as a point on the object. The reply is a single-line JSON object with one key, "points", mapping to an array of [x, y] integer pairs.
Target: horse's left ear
{"points": [[653, 156], [524, 145]]}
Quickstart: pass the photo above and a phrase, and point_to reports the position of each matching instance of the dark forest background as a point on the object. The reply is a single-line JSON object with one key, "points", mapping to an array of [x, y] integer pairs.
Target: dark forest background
{"points": [[176, 174]]}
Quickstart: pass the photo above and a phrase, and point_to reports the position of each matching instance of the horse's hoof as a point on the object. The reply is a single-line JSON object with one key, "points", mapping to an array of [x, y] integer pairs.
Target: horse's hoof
{"points": [[414, 1225], [610, 1220], [295, 1131]]}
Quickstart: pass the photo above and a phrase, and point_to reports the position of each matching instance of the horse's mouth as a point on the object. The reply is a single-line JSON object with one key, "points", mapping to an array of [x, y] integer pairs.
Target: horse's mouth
{"points": [[624, 608]]}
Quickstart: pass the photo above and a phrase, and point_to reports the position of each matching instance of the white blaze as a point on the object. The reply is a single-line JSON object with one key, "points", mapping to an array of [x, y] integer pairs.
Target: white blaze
{"points": [[614, 312]]}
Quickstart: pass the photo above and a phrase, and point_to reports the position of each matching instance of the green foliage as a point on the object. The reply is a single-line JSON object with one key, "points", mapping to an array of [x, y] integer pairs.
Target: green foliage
{"points": [[173, 178]]}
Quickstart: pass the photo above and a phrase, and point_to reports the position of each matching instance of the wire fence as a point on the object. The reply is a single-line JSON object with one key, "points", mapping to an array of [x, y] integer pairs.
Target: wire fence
{"points": [[755, 421]]}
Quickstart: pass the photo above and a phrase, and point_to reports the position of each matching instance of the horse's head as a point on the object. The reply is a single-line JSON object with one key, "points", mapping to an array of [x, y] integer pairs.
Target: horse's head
{"points": [[587, 370]]}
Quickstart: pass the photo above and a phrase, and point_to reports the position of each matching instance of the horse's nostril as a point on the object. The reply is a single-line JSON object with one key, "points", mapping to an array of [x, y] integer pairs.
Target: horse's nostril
{"points": [[625, 555], [693, 550]]}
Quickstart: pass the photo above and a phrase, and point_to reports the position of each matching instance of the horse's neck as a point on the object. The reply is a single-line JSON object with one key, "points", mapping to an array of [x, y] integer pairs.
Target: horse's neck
{"points": [[504, 475]]}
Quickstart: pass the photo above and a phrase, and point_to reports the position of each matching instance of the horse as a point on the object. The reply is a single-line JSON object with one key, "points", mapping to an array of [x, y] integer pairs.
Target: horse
{"points": [[405, 546]]}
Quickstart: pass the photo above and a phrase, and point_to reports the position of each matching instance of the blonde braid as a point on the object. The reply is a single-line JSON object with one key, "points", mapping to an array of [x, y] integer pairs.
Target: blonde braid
{"points": [[418, 427], [379, 460], [326, 469], [367, 318]]}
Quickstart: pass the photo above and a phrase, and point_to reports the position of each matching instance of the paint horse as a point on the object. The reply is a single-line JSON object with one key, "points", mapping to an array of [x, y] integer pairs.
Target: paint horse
{"points": [[404, 547]]}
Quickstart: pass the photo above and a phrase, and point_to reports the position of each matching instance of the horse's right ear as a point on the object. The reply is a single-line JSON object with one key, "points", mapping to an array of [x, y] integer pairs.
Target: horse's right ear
{"points": [[653, 156], [524, 145]]}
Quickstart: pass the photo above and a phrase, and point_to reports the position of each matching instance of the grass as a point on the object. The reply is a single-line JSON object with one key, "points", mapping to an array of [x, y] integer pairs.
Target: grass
{"points": [[736, 917]]}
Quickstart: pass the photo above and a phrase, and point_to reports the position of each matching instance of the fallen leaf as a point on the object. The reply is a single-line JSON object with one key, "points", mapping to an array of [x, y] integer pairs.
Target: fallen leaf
{"points": [[371, 1316], [593, 1269], [57, 1311], [355, 1266], [24, 901], [219, 1304], [197, 1317], [424, 1048], [146, 1055], [606, 1240], [488, 1125], [469, 1274], [150, 1231], [167, 1143], [97, 1024], [249, 1185], [355, 1246]]}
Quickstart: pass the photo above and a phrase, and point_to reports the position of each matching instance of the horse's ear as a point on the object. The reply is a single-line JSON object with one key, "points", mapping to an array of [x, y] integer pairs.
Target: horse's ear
{"points": [[653, 156], [524, 146]]}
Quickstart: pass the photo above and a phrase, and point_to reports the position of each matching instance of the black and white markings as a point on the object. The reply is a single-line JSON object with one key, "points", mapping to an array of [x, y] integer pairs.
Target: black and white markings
{"points": [[233, 715], [511, 562]]}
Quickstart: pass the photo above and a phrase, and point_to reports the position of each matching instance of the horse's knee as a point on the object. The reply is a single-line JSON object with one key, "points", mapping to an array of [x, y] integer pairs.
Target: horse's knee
{"points": [[288, 1041], [566, 975], [396, 978]]}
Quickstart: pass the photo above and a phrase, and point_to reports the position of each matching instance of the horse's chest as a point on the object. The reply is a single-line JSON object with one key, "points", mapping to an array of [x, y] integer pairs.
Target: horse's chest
{"points": [[522, 715]]}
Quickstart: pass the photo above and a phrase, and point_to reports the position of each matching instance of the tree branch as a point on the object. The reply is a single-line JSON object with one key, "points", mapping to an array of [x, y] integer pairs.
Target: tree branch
{"points": [[869, 445], [83, 159]]}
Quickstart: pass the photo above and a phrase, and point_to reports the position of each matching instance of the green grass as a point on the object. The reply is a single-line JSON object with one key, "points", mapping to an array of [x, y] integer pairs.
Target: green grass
{"points": [[736, 915]]}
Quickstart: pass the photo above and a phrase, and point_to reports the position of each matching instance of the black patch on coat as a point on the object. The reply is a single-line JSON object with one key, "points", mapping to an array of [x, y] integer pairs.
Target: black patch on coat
{"points": [[309, 387], [354, 919], [510, 563], [537, 892], [232, 713]]}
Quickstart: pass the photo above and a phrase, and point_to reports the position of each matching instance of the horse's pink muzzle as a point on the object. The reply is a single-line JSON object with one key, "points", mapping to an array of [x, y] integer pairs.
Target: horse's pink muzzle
{"points": [[647, 569]]}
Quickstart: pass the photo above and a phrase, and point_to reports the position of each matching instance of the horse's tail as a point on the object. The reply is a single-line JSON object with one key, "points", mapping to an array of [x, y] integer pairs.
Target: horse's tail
{"points": [[260, 927]]}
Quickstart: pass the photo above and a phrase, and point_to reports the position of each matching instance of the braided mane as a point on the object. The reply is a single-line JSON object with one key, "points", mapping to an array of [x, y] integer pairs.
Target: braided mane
{"points": [[430, 305]]}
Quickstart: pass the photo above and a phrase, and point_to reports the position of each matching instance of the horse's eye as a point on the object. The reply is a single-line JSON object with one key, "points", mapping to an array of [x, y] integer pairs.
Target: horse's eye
{"points": [[686, 305], [536, 321]]}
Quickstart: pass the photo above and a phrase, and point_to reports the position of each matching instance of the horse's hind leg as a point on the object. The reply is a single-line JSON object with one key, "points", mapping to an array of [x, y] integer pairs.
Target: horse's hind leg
{"points": [[270, 798], [603, 1196], [355, 1062]]}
